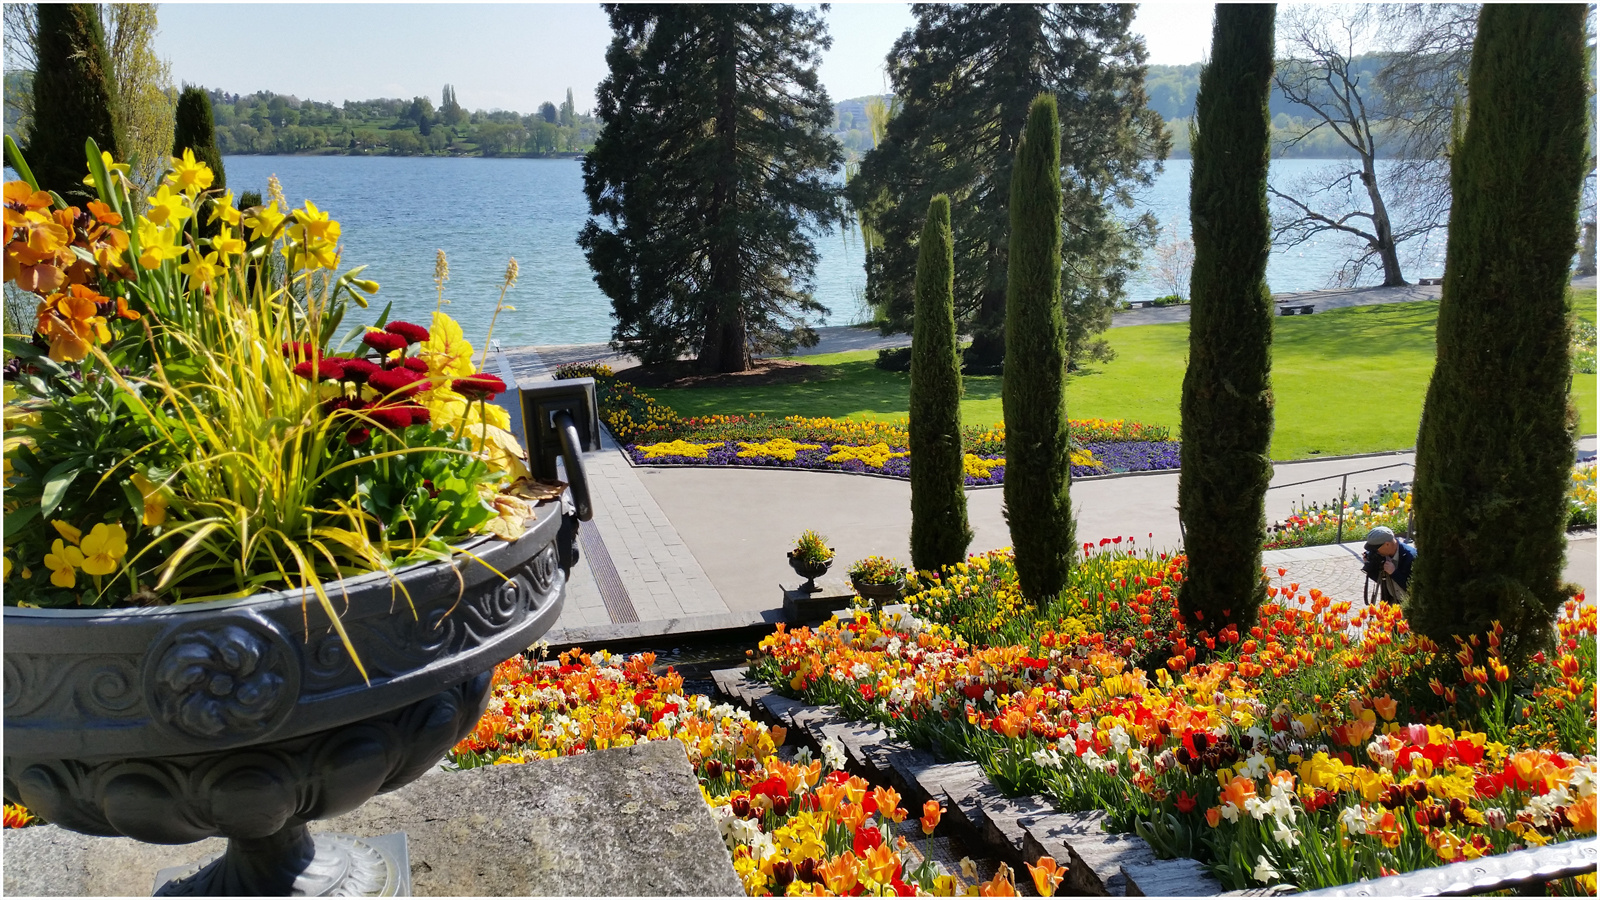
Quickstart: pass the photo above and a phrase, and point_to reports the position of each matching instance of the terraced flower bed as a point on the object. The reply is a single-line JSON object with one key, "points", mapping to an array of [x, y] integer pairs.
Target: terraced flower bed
{"points": [[1369, 750], [653, 434]]}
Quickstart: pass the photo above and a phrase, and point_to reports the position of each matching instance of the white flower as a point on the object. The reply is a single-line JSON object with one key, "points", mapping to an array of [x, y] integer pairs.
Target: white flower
{"points": [[761, 846], [861, 671], [1264, 872], [629, 711], [894, 648], [1166, 762], [1257, 808], [1255, 767], [832, 755], [1120, 742], [1085, 731], [802, 756], [1047, 758], [1583, 780], [988, 696], [1354, 821], [1286, 835], [937, 702], [1231, 812], [969, 869]]}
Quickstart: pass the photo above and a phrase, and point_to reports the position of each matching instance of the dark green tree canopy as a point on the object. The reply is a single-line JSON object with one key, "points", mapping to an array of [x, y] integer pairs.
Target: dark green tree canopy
{"points": [[194, 130], [1227, 389], [74, 98], [964, 77], [709, 178]]}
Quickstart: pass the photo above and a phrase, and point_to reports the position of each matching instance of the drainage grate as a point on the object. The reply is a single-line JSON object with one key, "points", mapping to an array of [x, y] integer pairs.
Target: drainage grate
{"points": [[619, 606]]}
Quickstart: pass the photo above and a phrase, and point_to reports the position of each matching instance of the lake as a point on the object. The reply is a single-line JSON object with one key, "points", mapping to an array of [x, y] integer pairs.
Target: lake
{"points": [[396, 211]]}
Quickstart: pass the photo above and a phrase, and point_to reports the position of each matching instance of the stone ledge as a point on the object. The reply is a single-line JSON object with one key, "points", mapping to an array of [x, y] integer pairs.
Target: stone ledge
{"points": [[572, 826], [1170, 878]]}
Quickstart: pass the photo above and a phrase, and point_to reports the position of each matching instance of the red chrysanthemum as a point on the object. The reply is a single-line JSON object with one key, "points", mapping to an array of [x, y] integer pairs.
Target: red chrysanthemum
{"points": [[383, 341], [328, 369], [416, 364], [300, 351], [396, 381], [393, 418], [358, 435], [481, 386], [413, 333]]}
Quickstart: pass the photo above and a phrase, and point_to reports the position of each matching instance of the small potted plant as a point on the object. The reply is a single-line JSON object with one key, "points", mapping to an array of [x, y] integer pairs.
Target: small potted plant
{"points": [[810, 559], [878, 578]]}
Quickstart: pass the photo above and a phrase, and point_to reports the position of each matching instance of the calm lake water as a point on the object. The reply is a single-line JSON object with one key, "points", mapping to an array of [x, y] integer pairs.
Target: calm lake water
{"points": [[397, 211]]}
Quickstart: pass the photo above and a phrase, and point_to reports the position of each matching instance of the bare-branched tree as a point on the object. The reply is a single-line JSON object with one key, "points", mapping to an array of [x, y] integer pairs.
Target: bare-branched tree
{"points": [[1172, 263], [1386, 80]]}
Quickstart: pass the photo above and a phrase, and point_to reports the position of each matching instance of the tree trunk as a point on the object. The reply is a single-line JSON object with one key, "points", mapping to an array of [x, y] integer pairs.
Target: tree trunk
{"points": [[725, 348], [1387, 252]]}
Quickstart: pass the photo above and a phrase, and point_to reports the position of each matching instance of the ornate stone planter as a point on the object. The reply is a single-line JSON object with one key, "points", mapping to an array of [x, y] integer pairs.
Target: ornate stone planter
{"points": [[880, 592], [247, 718], [810, 571]]}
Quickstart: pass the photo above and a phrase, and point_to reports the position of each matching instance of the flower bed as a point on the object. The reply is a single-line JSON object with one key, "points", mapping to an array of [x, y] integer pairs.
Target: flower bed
{"points": [[653, 434], [1369, 751], [798, 827]]}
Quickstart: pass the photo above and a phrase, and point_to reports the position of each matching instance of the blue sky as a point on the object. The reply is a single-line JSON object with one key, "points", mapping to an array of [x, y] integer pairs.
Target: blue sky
{"points": [[506, 55]]}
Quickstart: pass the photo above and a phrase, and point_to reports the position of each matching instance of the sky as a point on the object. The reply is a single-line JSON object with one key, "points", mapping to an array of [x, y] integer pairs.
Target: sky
{"points": [[508, 55]]}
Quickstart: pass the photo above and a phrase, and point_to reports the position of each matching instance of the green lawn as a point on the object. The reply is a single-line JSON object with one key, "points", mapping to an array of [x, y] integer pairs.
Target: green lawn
{"points": [[1347, 381]]}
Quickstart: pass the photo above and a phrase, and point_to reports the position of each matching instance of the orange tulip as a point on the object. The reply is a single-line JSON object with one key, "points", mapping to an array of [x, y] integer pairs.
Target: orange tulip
{"points": [[1047, 876], [931, 813], [1000, 885], [883, 863], [889, 804], [842, 874], [1239, 790]]}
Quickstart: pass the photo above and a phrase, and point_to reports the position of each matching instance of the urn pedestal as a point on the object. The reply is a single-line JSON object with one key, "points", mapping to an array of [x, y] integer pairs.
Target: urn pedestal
{"points": [[248, 718]]}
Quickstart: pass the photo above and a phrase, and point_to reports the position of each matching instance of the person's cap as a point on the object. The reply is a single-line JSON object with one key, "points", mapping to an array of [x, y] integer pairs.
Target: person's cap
{"points": [[1379, 536]]}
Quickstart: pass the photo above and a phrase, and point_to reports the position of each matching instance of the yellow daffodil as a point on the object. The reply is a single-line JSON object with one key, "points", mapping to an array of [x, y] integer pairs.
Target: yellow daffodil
{"points": [[189, 174], [226, 244], [321, 254], [114, 169], [202, 270], [312, 225], [158, 242], [102, 547], [265, 221], [223, 209], [165, 206], [63, 561]]}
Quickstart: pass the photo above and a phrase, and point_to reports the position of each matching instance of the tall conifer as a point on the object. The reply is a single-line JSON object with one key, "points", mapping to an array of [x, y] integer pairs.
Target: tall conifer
{"points": [[74, 98], [1227, 390], [939, 530], [1496, 443], [1034, 395], [194, 130]]}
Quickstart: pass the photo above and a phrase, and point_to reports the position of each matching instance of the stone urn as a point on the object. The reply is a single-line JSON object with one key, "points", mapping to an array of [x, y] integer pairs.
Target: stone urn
{"points": [[810, 571], [248, 718], [880, 592]]}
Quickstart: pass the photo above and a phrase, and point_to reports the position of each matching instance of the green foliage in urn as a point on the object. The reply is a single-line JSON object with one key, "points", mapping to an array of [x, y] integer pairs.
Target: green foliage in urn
{"points": [[74, 98], [812, 548], [939, 530], [1227, 390], [1038, 463], [1494, 450]]}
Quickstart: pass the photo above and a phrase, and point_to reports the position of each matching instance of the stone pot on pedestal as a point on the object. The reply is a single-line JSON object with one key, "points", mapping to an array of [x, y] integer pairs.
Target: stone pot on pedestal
{"points": [[880, 592], [248, 718], [809, 570]]}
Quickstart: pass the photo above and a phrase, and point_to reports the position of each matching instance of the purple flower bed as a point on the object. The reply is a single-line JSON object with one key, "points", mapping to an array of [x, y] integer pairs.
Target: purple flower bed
{"points": [[1132, 456]]}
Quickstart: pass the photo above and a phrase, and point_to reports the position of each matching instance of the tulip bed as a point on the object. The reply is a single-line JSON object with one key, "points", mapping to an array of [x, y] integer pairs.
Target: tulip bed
{"points": [[1369, 750], [654, 434], [797, 827]]}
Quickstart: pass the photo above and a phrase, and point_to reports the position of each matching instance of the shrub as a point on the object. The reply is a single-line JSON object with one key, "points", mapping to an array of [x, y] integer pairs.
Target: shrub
{"points": [[894, 359]]}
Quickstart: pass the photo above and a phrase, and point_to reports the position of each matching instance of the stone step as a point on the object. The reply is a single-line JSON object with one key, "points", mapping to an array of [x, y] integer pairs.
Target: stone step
{"points": [[1171, 878]]}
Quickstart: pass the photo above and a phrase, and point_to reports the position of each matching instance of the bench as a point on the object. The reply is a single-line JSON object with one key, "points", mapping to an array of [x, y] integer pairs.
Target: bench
{"points": [[1140, 304], [1424, 282], [1293, 307]]}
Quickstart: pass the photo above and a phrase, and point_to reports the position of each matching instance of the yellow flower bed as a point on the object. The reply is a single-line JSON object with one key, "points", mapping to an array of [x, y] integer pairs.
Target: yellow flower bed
{"points": [[873, 455], [677, 448], [777, 448], [978, 467]]}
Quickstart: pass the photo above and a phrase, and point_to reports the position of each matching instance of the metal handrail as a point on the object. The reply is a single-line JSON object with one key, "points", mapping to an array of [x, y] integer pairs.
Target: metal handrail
{"points": [[1517, 870], [1344, 486]]}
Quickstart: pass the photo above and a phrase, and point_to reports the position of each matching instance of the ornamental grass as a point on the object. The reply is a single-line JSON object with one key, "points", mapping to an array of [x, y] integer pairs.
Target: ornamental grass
{"points": [[1323, 745], [795, 827]]}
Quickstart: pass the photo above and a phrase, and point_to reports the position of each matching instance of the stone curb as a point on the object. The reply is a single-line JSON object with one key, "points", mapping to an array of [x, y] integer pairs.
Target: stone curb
{"points": [[1018, 829]]}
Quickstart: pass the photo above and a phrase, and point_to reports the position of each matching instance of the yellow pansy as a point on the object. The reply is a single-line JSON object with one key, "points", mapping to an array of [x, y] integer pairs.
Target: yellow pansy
{"points": [[72, 534], [189, 174], [155, 503], [63, 562], [165, 206], [265, 221], [102, 547]]}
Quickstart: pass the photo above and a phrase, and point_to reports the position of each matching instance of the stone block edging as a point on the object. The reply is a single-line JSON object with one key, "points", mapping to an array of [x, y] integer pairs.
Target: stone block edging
{"points": [[1018, 829]]}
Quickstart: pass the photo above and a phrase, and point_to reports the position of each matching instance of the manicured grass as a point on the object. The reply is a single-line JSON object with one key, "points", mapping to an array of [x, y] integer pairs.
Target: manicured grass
{"points": [[1346, 381]]}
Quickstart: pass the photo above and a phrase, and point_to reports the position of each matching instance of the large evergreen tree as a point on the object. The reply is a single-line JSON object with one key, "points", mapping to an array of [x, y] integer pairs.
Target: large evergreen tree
{"points": [[74, 98], [711, 174], [939, 530], [194, 130], [1227, 390], [963, 78], [1034, 391], [1496, 441]]}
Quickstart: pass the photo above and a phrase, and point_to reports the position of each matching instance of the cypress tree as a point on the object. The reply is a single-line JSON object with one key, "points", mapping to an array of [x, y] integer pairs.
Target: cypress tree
{"points": [[939, 530], [1034, 397], [1227, 390], [194, 130], [74, 98], [1495, 446]]}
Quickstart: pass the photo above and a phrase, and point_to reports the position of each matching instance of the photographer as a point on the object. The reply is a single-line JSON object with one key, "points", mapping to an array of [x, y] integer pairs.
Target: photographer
{"points": [[1387, 562]]}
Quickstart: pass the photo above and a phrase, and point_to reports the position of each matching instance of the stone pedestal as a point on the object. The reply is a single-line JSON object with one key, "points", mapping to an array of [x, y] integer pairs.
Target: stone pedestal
{"points": [[834, 593], [627, 822]]}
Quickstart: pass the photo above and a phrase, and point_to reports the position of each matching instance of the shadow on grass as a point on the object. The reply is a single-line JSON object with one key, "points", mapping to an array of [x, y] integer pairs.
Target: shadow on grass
{"points": [[851, 388]]}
